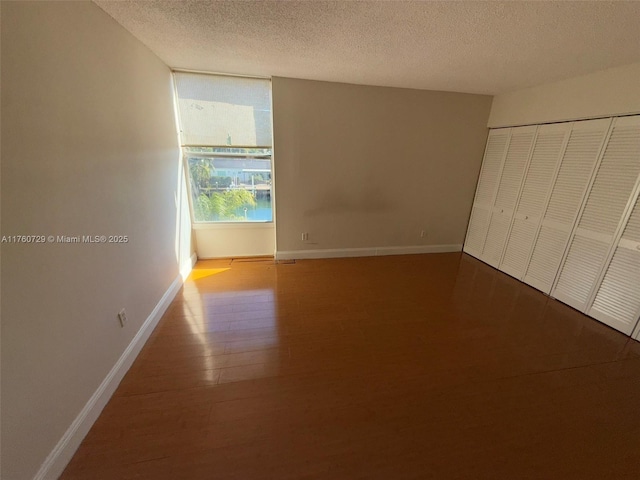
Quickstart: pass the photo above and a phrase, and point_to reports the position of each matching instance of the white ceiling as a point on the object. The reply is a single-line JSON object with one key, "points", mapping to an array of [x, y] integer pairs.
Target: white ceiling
{"points": [[465, 46]]}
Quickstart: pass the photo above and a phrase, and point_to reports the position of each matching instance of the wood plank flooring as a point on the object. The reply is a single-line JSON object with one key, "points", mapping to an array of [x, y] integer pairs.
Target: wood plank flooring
{"points": [[402, 367]]}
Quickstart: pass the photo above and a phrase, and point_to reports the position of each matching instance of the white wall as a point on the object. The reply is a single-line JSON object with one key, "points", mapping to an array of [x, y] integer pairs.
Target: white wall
{"points": [[615, 91], [89, 147], [235, 240], [363, 170]]}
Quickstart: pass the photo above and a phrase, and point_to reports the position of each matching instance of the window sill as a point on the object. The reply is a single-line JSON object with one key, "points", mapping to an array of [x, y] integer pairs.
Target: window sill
{"points": [[228, 225]]}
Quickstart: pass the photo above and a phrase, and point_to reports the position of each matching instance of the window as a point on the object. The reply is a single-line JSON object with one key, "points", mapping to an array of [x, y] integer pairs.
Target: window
{"points": [[225, 131]]}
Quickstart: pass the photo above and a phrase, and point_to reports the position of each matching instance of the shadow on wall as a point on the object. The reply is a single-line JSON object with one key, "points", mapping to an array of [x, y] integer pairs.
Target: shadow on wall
{"points": [[370, 200]]}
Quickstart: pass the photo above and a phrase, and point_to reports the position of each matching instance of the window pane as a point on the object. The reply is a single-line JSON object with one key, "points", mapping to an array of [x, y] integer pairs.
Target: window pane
{"points": [[230, 188]]}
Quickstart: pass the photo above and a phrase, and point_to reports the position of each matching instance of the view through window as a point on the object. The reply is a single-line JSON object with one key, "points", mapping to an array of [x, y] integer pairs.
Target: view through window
{"points": [[225, 129]]}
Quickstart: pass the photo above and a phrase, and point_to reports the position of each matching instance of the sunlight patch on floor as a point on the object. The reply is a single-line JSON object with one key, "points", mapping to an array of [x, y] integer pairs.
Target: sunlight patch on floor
{"points": [[200, 273]]}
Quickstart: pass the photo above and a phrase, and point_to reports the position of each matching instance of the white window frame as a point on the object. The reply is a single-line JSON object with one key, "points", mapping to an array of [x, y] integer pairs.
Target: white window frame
{"points": [[208, 224]]}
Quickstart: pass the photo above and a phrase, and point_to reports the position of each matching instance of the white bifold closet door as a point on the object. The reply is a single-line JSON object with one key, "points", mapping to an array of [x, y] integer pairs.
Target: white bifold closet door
{"points": [[549, 146], [576, 169], [617, 298], [603, 216], [515, 164], [490, 172]]}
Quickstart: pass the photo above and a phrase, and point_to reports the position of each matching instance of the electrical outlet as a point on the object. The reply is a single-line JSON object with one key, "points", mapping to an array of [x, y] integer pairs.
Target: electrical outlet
{"points": [[122, 316], [423, 233], [305, 237]]}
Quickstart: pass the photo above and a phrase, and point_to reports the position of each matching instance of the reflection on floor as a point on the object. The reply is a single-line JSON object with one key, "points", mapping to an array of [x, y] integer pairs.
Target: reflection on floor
{"points": [[423, 366]]}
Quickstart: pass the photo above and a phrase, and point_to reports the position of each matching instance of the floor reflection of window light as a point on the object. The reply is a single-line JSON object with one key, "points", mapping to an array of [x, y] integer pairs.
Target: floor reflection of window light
{"points": [[196, 308]]}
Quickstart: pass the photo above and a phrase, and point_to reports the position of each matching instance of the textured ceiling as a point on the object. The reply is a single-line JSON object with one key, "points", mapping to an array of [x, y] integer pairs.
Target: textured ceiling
{"points": [[466, 46]]}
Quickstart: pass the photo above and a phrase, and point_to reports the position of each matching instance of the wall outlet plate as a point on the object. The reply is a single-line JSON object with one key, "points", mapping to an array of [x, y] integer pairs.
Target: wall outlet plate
{"points": [[122, 316]]}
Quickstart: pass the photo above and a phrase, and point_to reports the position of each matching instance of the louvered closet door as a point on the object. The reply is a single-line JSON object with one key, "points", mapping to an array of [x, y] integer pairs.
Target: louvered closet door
{"points": [[494, 154], [602, 214], [576, 169], [601, 218], [617, 301], [549, 146], [513, 170]]}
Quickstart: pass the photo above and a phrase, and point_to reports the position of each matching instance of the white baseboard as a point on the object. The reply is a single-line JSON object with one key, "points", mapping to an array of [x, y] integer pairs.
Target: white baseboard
{"points": [[60, 456], [366, 252]]}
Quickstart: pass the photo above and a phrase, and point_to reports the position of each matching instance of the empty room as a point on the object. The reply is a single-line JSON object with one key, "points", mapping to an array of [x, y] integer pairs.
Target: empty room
{"points": [[320, 240]]}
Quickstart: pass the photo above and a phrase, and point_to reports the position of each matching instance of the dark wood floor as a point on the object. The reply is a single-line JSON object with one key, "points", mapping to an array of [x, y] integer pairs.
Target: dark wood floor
{"points": [[422, 366]]}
